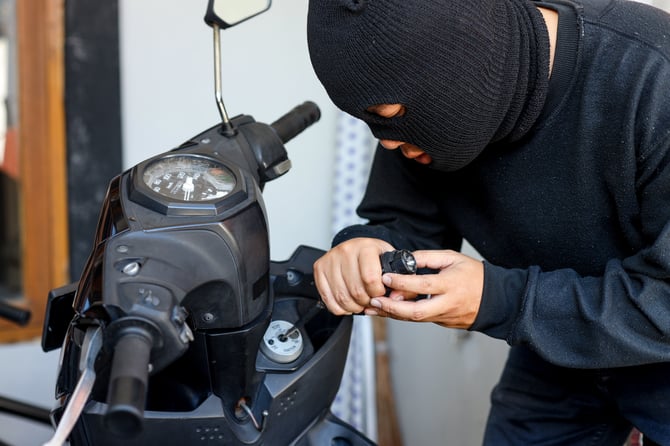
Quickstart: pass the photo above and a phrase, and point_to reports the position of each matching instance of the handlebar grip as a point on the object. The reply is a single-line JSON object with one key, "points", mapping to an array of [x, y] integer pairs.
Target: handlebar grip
{"points": [[14, 314], [127, 394], [297, 120]]}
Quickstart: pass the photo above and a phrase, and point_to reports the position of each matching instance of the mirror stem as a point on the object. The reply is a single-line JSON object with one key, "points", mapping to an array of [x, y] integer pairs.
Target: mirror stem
{"points": [[227, 126]]}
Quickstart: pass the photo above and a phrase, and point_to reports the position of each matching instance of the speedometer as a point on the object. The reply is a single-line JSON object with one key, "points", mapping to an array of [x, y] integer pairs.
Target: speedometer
{"points": [[188, 178]]}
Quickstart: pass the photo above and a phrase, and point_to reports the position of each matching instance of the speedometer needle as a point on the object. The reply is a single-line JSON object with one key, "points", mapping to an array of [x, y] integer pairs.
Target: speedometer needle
{"points": [[188, 187]]}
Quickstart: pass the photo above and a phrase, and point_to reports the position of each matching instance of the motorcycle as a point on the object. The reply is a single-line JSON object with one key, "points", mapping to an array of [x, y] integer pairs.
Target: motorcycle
{"points": [[181, 330]]}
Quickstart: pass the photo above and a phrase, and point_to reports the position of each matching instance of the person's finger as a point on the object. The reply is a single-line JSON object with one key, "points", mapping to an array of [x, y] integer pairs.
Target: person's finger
{"points": [[435, 259], [370, 270], [400, 295], [322, 279], [415, 311], [413, 285], [350, 291]]}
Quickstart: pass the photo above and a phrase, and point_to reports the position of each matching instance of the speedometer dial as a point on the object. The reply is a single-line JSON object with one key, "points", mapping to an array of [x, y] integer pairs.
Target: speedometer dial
{"points": [[189, 178]]}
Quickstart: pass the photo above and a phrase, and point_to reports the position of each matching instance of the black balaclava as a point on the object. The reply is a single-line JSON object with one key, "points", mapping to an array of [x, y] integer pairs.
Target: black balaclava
{"points": [[469, 72]]}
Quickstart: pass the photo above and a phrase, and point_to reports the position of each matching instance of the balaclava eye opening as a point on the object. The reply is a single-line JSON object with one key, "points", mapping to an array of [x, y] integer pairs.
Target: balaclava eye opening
{"points": [[469, 72]]}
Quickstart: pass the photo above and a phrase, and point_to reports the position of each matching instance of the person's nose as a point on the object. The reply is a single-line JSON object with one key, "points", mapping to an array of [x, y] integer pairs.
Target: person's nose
{"points": [[390, 144]]}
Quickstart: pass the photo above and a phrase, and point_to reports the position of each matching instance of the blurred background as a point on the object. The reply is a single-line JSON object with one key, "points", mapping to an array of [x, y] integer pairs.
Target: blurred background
{"points": [[92, 88]]}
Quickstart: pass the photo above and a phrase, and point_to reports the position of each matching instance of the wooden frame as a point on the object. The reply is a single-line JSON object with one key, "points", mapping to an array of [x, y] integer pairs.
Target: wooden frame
{"points": [[42, 158], [388, 424]]}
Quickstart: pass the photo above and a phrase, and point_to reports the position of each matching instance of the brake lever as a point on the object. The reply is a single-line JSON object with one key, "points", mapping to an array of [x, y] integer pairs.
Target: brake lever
{"points": [[90, 348]]}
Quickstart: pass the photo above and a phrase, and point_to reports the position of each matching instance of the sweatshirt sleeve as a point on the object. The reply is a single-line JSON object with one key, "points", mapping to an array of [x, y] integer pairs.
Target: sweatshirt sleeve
{"points": [[621, 318]]}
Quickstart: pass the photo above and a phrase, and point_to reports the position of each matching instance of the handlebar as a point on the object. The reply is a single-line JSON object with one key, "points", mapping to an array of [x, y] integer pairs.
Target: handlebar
{"points": [[296, 120], [14, 314], [267, 141], [128, 381]]}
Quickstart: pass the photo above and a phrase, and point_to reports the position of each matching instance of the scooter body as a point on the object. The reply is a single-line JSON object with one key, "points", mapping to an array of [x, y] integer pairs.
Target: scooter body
{"points": [[193, 282]]}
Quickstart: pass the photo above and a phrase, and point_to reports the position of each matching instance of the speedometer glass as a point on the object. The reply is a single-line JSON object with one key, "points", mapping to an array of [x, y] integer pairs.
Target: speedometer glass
{"points": [[189, 178]]}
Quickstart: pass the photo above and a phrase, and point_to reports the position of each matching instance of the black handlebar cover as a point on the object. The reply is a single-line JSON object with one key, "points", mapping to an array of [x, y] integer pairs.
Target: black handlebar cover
{"points": [[14, 314], [127, 392], [296, 120]]}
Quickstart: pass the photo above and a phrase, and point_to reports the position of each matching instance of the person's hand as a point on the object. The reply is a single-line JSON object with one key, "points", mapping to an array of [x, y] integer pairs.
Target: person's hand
{"points": [[350, 274], [455, 291]]}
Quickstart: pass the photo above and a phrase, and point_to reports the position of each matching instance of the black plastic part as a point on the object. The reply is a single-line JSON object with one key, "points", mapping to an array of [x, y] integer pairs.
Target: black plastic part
{"points": [[212, 18], [268, 150], [400, 262], [59, 313], [297, 120], [294, 276], [232, 379]]}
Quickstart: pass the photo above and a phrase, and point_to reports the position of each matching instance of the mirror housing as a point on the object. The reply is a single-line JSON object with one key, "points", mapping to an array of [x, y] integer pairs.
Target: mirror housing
{"points": [[227, 13]]}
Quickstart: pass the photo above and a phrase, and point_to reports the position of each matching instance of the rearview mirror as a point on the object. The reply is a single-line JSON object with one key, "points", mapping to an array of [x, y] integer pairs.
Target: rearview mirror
{"points": [[227, 13]]}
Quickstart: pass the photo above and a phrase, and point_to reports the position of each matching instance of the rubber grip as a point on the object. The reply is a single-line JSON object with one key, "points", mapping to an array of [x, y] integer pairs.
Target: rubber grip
{"points": [[297, 120], [14, 314], [127, 392]]}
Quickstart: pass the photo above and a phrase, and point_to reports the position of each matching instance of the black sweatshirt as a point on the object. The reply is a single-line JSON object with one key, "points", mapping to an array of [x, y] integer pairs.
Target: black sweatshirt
{"points": [[573, 221]]}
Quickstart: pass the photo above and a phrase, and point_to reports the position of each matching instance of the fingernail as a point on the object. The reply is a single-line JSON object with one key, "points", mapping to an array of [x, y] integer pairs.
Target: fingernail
{"points": [[371, 312], [386, 279], [375, 303]]}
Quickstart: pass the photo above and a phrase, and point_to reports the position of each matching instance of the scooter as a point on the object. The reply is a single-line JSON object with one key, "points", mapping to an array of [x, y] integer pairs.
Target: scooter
{"points": [[181, 330]]}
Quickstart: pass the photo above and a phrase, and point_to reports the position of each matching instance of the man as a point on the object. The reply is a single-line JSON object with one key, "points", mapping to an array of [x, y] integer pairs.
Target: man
{"points": [[540, 133]]}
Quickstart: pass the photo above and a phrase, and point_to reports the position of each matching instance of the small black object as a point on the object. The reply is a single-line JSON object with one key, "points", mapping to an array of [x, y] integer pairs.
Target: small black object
{"points": [[400, 261], [14, 314]]}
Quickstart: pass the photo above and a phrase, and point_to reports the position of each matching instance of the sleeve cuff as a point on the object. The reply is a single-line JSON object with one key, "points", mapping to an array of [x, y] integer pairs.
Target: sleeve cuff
{"points": [[376, 231], [502, 301]]}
